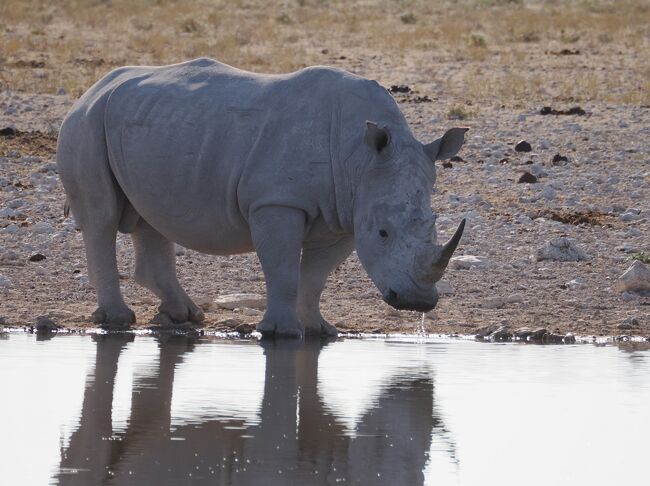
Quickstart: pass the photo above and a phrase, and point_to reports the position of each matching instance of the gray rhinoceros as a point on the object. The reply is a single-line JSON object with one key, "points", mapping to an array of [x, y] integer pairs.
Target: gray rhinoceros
{"points": [[224, 161]]}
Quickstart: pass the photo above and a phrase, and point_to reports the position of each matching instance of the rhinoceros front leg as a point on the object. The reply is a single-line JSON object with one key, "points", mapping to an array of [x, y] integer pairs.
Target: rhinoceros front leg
{"points": [[316, 265], [155, 268], [277, 234]]}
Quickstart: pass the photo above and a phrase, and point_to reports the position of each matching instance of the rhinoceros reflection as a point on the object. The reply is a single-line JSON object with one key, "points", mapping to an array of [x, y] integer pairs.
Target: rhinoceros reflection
{"points": [[296, 439]]}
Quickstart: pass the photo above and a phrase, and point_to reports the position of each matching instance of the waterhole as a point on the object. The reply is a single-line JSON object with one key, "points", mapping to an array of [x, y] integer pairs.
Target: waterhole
{"points": [[171, 410]]}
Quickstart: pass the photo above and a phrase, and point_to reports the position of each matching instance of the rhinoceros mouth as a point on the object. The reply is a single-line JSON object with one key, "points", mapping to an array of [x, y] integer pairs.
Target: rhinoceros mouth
{"points": [[392, 299]]}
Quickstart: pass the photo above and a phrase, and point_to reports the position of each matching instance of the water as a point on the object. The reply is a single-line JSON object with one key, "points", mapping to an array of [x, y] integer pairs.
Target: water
{"points": [[125, 410]]}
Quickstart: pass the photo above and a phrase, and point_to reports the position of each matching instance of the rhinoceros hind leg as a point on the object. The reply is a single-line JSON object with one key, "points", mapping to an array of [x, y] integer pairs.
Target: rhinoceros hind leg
{"points": [[277, 235], [155, 268], [316, 265]]}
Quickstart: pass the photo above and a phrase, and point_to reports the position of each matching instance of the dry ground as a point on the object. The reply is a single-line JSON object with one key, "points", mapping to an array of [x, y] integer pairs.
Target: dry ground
{"points": [[493, 64]]}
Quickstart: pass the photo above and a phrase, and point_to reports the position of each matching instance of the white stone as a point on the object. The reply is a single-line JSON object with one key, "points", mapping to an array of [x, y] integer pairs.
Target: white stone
{"points": [[444, 288], [232, 301], [537, 170], [636, 279], [548, 193], [514, 299], [466, 262], [576, 283], [561, 250], [42, 228], [493, 303]]}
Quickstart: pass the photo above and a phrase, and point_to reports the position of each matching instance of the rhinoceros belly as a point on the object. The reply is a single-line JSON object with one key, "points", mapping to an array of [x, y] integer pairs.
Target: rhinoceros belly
{"points": [[181, 186]]}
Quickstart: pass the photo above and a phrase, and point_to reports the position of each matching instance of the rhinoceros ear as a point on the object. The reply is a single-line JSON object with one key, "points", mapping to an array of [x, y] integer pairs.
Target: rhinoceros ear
{"points": [[448, 145], [378, 138]]}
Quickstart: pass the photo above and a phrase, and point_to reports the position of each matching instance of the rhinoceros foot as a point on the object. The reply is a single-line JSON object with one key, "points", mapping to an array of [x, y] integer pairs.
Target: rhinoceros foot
{"points": [[289, 328], [320, 328], [118, 319], [177, 316]]}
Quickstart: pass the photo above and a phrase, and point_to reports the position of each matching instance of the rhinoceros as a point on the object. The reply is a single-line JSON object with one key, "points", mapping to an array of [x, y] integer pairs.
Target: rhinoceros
{"points": [[302, 168]]}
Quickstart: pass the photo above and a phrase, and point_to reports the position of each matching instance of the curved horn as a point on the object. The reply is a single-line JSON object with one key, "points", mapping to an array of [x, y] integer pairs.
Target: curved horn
{"points": [[448, 248]]}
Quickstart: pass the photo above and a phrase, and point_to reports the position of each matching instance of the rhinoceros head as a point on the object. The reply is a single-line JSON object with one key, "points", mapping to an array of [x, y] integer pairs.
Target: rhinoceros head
{"points": [[394, 226]]}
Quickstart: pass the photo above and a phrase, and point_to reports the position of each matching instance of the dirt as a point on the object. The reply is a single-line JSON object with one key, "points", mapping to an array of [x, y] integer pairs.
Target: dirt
{"points": [[597, 194]]}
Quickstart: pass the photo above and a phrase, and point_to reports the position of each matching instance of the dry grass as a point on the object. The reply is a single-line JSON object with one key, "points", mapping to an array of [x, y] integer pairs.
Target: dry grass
{"points": [[502, 48]]}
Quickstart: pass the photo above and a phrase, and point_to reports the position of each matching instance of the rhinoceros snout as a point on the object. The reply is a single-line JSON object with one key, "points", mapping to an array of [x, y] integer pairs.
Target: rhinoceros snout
{"points": [[402, 302]]}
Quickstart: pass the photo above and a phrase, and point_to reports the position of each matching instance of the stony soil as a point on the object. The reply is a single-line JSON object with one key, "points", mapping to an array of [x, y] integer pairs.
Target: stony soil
{"points": [[598, 197], [597, 193]]}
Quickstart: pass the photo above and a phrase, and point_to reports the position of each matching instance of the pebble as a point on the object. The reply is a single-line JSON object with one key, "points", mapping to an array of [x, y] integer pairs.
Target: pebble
{"points": [[575, 284], [482, 332], [548, 193], [527, 178], [42, 228], [636, 279], [523, 146], [501, 334], [37, 257], [561, 249], [493, 303], [232, 301], [247, 311]]}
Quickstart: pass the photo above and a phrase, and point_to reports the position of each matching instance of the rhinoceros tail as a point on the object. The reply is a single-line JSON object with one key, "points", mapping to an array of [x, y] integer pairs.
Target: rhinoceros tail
{"points": [[66, 208]]}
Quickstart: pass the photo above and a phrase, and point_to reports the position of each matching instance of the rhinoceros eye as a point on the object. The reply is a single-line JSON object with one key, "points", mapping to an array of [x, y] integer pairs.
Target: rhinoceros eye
{"points": [[383, 233]]}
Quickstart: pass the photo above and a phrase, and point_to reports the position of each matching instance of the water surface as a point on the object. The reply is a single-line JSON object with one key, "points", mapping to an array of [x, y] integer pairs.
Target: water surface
{"points": [[124, 409]]}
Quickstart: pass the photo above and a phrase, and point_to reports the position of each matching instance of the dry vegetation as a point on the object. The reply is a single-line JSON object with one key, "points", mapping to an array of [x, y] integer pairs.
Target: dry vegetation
{"points": [[47, 45]]}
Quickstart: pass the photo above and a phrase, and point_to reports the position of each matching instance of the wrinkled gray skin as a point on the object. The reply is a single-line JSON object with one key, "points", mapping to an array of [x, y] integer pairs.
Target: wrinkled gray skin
{"points": [[224, 161]]}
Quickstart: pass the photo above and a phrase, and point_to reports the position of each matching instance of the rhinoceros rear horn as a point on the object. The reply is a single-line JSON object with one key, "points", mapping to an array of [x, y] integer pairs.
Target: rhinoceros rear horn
{"points": [[448, 249]]}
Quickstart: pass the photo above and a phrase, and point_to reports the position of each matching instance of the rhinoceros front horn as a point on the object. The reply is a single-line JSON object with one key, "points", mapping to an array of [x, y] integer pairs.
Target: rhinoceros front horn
{"points": [[448, 249]]}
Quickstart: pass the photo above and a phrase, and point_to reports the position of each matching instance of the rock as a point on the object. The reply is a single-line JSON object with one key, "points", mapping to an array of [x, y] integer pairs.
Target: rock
{"points": [[548, 193], [631, 215], [522, 333], [561, 249], [7, 213], [538, 170], [569, 338], [467, 262], [527, 178], [575, 284], [44, 325], [514, 299], [61, 92], [232, 301], [501, 334], [245, 328], [37, 257], [493, 303], [444, 288], [250, 312], [179, 250], [5, 285], [447, 165], [636, 279], [537, 334], [551, 338], [206, 303], [482, 332], [8, 132], [523, 146], [559, 160], [42, 228]]}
